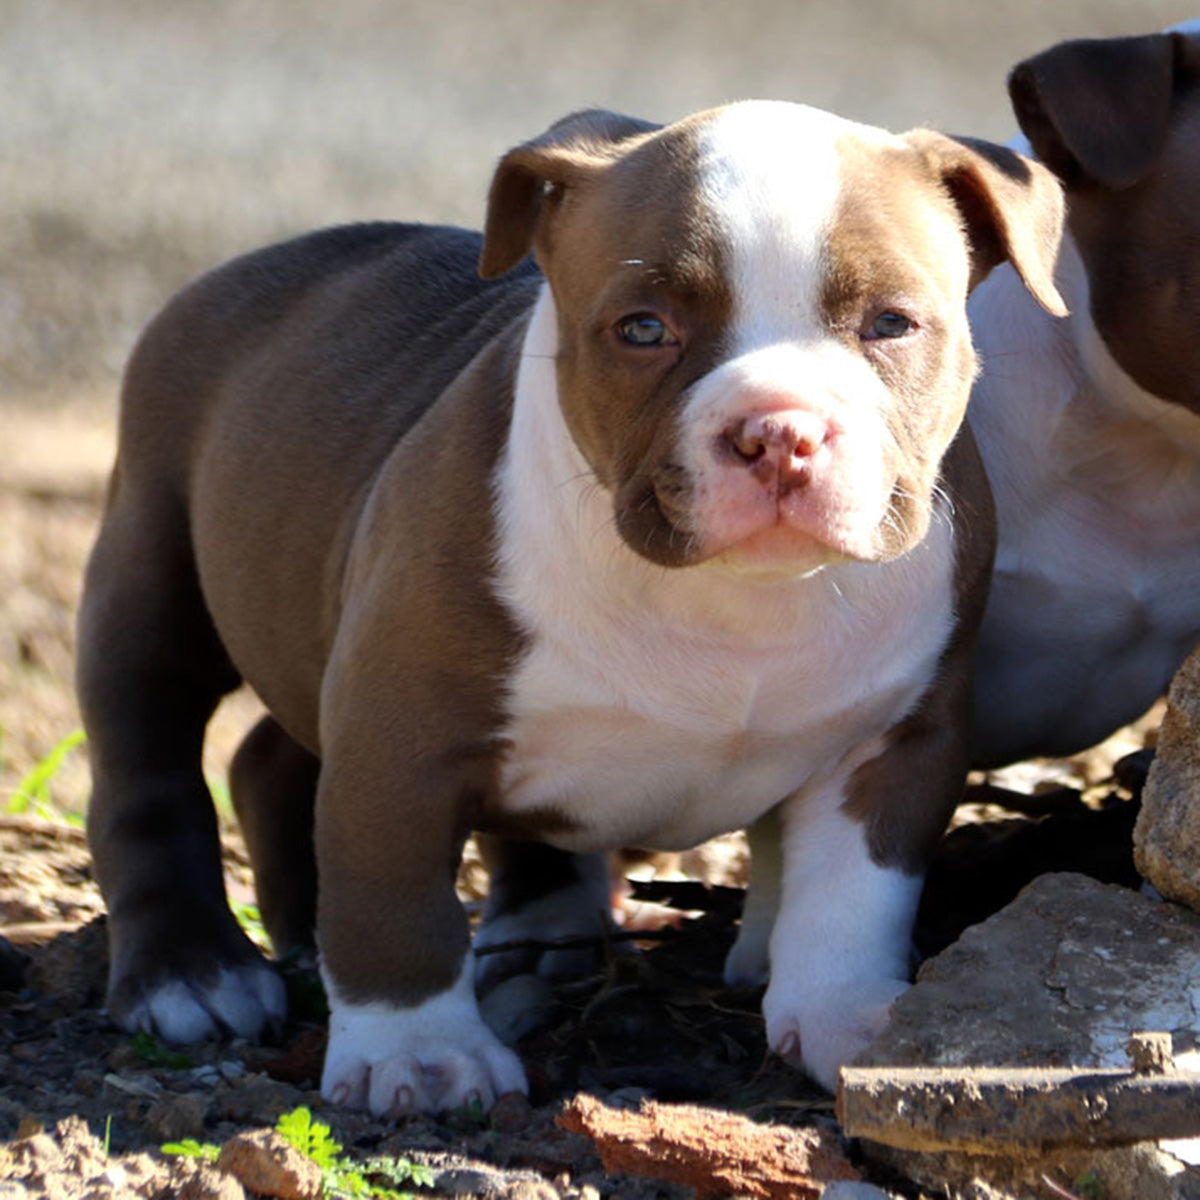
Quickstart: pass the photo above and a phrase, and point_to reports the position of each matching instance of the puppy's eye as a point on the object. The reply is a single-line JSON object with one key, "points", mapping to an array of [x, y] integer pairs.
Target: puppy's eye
{"points": [[645, 329], [890, 325]]}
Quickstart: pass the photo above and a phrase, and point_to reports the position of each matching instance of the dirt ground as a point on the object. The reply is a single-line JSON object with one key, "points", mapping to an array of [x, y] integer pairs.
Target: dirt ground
{"points": [[145, 143]]}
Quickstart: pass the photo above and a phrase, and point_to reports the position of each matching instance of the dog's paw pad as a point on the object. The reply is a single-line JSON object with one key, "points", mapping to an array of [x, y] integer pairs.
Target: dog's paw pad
{"points": [[434, 1056]]}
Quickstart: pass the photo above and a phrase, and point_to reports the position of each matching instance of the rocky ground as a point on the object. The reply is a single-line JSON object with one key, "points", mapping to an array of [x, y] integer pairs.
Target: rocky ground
{"points": [[85, 1110]]}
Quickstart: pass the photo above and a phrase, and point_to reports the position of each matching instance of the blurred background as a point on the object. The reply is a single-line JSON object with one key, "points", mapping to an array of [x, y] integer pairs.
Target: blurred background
{"points": [[143, 141]]}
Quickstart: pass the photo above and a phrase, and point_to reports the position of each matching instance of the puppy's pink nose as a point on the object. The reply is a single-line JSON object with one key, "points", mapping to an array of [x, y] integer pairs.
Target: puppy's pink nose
{"points": [[778, 444]]}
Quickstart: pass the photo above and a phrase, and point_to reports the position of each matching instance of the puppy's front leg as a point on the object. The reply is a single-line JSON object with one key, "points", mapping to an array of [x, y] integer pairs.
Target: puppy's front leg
{"points": [[405, 1032], [854, 856], [839, 950]]}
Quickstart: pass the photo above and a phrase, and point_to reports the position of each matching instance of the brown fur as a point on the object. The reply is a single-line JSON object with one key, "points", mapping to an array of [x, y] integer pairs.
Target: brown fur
{"points": [[1106, 116], [239, 545], [906, 794]]}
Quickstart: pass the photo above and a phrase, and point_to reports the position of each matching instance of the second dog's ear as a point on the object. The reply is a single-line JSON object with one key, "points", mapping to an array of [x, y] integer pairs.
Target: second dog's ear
{"points": [[1098, 109], [534, 176], [1012, 209]]}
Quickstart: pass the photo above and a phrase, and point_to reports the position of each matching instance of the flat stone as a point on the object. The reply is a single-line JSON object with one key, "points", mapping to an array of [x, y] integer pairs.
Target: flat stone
{"points": [[1059, 978], [1166, 839]]}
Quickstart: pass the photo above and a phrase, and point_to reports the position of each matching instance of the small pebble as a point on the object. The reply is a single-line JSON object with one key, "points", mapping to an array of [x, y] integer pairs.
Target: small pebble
{"points": [[511, 1113]]}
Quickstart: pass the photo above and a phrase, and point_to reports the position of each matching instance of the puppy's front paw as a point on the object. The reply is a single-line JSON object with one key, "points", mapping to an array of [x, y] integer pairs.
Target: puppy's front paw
{"points": [[824, 1030], [432, 1057]]}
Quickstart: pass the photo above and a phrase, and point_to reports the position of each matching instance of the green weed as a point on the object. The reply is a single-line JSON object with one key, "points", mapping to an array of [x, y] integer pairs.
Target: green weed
{"points": [[250, 919], [222, 801], [33, 794], [341, 1177], [190, 1148], [1090, 1186], [150, 1052]]}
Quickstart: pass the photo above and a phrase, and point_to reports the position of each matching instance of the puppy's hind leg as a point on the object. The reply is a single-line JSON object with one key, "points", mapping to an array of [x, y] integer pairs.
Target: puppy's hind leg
{"points": [[273, 783], [151, 670], [540, 894]]}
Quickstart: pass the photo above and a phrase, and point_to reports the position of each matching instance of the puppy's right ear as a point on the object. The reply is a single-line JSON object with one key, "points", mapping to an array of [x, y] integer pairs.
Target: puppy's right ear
{"points": [[533, 178]]}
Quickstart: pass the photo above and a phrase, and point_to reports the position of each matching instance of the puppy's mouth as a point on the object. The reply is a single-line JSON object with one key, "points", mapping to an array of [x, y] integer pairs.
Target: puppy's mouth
{"points": [[653, 516], [656, 516]]}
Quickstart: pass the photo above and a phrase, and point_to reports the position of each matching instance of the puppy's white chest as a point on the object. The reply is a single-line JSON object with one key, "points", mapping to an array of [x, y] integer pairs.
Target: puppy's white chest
{"points": [[664, 741]]}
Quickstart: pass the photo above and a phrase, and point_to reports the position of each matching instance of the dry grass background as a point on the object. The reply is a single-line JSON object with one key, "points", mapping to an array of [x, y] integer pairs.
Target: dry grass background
{"points": [[142, 141]]}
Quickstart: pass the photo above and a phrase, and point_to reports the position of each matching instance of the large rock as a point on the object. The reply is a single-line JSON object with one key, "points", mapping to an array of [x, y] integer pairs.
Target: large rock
{"points": [[1166, 840], [1060, 978]]}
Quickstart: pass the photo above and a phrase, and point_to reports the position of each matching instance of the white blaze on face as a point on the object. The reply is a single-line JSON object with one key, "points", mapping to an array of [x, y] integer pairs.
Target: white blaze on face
{"points": [[771, 176]]}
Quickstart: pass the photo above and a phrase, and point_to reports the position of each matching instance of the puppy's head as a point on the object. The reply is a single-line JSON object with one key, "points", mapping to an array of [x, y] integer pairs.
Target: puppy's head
{"points": [[762, 343], [1118, 120]]}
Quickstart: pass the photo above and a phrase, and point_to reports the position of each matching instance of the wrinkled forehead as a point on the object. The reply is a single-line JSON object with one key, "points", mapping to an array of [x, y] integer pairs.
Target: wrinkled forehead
{"points": [[774, 178], [772, 197]]}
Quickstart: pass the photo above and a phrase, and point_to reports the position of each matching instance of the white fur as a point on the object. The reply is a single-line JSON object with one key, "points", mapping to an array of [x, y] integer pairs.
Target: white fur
{"points": [[660, 707], [840, 947], [770, 172], [433, 1056], [246, 1000], [1097, 487], [776, 208]]}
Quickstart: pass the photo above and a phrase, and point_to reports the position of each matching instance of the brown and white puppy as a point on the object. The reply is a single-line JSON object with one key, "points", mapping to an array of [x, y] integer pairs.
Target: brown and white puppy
{"points": [[1090, 425], [682, 530]]}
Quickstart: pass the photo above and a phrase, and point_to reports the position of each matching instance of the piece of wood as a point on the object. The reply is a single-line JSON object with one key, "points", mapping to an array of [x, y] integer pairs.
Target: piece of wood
{"points": [[998, 1110]]}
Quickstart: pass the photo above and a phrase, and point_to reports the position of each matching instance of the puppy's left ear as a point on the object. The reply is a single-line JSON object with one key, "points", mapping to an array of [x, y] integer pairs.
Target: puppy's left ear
{"points": [[1012, 209], [532, 179]]}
